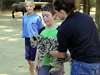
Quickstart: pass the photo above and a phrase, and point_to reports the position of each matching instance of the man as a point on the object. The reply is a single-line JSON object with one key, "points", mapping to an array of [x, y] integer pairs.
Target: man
{"points": [[78, 33]]}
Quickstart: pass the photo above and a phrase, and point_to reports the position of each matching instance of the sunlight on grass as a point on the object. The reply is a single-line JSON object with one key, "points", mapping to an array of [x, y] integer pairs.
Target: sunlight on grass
{"points": [[3, 74], [9, 39], [5, 20], [17, 34], [13, 39], [8, 30], [3, 38], [3, 26]]}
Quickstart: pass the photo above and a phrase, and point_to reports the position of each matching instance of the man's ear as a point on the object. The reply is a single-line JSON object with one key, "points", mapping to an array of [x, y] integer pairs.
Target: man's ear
{"points": [[55, 16]]}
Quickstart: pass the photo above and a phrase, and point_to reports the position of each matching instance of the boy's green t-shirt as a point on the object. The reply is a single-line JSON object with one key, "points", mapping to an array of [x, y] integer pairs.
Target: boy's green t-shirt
{"points": [[50, 33]]}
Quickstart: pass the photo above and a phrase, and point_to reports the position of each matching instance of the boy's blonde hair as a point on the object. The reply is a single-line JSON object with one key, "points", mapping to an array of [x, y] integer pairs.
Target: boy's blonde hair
{"points": [[29, 3]]}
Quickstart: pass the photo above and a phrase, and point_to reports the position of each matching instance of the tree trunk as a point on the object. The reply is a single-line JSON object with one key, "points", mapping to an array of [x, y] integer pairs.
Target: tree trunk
{"points": [[98, 13], [1, 5], [77, 4], [86, 6]]}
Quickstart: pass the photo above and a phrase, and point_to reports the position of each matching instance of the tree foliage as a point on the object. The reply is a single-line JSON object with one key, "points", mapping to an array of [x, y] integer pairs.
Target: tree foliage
{"points": [[6, 4], [92, 2]]}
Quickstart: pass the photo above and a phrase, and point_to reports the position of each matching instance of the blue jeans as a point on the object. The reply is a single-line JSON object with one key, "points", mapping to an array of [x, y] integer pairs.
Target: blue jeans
{"points": [[44, 70], [81, 68]]}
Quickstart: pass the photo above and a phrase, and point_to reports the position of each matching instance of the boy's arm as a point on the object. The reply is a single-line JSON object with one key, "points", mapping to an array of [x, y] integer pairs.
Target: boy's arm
{"points": [[40, 23]]}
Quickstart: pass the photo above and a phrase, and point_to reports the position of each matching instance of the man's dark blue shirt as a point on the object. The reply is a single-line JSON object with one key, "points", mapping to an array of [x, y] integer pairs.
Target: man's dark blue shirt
{"points": [[78, 33]]}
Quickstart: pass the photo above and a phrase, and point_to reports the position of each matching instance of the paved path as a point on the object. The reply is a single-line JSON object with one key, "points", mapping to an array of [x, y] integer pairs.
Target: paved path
{"points": [[12, 47]]}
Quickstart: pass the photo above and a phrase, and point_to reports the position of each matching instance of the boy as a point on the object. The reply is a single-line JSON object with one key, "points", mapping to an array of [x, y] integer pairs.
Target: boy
{"points": [[45, 63], [31, 24]]}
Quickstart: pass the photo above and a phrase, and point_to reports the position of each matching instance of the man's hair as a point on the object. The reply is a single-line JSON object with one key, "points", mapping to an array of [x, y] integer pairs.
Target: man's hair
{"points": [[66, 5]]}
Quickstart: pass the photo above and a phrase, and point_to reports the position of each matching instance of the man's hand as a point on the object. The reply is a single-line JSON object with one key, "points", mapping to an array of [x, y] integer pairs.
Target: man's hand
{"points": [[57, 54]]}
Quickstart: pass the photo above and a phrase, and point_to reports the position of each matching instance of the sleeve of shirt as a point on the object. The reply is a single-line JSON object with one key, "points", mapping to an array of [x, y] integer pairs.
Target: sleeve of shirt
{"points": [[62, 42], [63, 36], [39, 22]]}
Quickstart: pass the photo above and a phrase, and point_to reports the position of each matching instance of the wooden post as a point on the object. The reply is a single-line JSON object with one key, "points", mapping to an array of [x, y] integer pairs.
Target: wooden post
{"points": [[98, 14], [86, 6], [1, 5], [29, 0], [77, 4]]}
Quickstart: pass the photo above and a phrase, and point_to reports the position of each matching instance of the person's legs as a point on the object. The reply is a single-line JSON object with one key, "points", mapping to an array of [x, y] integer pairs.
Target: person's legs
{"points": [[81, 68], [59, 72], [31, 67], [44, 70], [30, 55]]}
